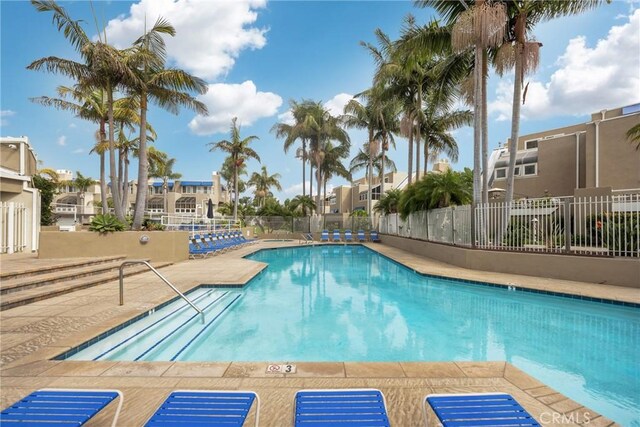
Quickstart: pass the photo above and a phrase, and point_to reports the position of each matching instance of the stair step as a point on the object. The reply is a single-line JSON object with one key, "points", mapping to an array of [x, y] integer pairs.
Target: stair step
{"points": [[62, 265], [28, 296], [35, 281]]}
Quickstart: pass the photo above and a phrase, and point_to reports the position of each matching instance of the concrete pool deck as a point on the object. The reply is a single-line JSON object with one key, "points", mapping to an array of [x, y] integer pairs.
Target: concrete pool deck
{"points": [[31, 335]]}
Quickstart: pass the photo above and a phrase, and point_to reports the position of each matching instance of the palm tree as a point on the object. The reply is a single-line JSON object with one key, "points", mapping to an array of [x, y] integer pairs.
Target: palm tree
{"points": [[364, 160], [332, 166], [522, 54], [102, 66], [302, 112], [168, 88], [388, 203], [263, 182], [82, 184], [239, 151], [162, 167], [227, 172], [305, 204], [90, 104]]}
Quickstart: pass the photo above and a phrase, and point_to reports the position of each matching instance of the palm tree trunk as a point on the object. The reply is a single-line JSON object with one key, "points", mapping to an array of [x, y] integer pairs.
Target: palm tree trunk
{"points": [[485, 130], [410, 165], [425, 167], [384, 144], [319, 186], [370, 173], [304, 161], [125, 182], [515, 114], [120, 173], [324, 194], [418, 138], [235, 190], [103, 179], [115, 191], [165, 186], [477, 125], [143, 166], [310, 179]]}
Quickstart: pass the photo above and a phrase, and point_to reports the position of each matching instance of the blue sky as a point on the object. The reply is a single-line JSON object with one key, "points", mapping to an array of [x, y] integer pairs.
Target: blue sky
{"points": [[257, 55]]}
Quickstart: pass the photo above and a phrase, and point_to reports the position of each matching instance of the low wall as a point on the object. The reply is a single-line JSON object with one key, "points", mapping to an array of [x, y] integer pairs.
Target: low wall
{"points": [[162, 245], [606, 271]]}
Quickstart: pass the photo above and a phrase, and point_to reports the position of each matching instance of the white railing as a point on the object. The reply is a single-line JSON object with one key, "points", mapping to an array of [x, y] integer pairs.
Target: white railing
{"points": [[596, 225], [13, 227], [194, 223]]}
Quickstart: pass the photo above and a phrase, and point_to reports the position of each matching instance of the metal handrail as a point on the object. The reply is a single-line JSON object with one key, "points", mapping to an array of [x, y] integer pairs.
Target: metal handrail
{"points": [[164, 279]]}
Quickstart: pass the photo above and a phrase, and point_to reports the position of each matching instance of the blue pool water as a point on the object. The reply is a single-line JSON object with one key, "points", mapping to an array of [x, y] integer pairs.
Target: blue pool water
{"points": [[347, 303]]}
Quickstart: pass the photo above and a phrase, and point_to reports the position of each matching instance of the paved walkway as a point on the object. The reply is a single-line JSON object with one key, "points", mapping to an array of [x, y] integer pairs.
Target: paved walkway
{"points": [[31, 335]]}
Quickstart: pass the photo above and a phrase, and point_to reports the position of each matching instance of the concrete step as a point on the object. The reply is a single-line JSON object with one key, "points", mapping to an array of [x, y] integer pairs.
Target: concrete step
{"points": [[40, 268], [31, 295], [21, 283]]}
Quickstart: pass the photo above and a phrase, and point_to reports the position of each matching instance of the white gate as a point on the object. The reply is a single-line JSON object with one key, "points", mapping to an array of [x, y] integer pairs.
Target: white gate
{"points": [[13, 227]]}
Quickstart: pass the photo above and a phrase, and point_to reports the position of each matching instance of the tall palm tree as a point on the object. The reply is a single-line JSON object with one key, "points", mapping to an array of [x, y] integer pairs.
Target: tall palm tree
{"points": [[263, 182], [161, 166], [299, 130], [332, 166], [82, 184], [522, 53], [239, 151], [169, 88], [365, 160], [101, 66], [90, 104]]}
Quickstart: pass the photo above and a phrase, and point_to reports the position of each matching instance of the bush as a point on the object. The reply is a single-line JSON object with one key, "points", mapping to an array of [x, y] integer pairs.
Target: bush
{"points": [[47, 192], [104, 224], [150, 225]]}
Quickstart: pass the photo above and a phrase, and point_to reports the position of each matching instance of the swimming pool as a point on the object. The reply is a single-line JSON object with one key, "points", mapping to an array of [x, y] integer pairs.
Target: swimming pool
{"points": [[348, 303]]}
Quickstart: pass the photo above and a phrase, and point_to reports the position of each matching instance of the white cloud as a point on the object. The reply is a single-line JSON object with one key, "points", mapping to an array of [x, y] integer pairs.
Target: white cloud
{"points": [[295, 189], [588, 78], [3, 116], [62, 141], [73, 125], [226, 101], [78, 151], [209, 34], [287, 118], [336, 104]]}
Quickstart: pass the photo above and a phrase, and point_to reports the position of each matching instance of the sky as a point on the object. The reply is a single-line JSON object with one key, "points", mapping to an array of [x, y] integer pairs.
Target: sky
{"points": [[257, 55]]}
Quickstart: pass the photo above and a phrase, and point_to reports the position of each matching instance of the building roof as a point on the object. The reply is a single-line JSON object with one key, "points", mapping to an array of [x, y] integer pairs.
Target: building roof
{"points": [[203, 183]]}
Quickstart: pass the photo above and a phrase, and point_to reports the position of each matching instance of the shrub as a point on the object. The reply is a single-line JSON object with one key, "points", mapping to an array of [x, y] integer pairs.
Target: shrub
{"points": [[104, 224], [150, 225]]}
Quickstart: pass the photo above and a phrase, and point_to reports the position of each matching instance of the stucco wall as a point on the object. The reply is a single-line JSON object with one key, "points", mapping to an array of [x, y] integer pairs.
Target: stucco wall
{"points": [[608, 271], [162, 246]]}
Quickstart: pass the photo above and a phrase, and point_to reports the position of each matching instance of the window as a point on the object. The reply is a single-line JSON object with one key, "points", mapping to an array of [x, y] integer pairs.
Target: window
{"points": [[531, 144], [155, 205], [363, 196], [387, 180], [501, 173], [531, 169], [516, 171], [186, 205]]}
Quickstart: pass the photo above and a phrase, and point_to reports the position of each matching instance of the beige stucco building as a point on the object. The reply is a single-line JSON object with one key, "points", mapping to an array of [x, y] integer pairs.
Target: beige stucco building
{"points": [[184, 197], [556, 162], [20, 201]]}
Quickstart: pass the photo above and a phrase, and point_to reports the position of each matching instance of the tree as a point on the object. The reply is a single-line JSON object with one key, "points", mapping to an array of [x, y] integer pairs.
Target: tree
{"points": [[388, 203], [302, 113], [633, 135], [304, 204], [162, 167], [90, 104], [363, 160], [48, 189], [82, 184], [437, 190], [102, 66], [166, 87], [263, 182], [239, 151]]}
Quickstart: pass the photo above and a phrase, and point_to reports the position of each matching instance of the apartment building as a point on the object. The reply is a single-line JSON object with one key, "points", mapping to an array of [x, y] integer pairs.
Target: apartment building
{"points": [[184, 197], [19, 200], [556, 162]]}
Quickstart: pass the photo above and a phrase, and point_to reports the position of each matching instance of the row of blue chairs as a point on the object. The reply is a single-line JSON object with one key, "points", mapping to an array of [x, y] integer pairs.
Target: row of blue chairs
{"points": [[348, 236], [202, 246], [313, 408]]}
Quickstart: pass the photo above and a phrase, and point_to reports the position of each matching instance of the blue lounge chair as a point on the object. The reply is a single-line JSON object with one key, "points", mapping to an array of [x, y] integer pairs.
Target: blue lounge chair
{"points": [[348, 237], [59, 407], [205, 408], [196, 251], [346, 407], [324, 236], [306, 238], [336, 236], [361, 237], [487, 409], [374, 236]]}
